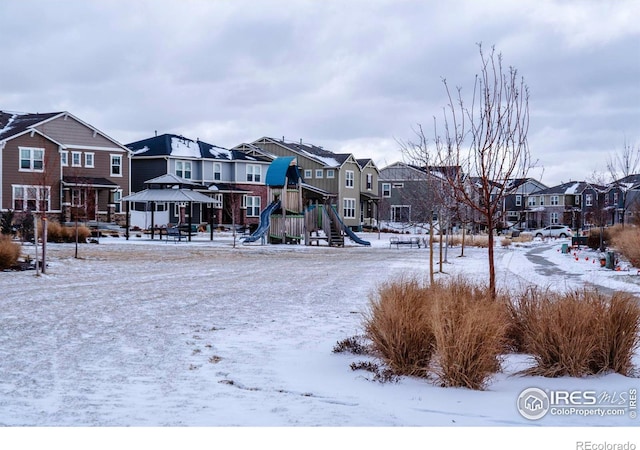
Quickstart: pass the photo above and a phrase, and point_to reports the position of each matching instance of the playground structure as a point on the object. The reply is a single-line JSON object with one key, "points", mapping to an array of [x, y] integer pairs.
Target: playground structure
{"points": [[287, 221]]}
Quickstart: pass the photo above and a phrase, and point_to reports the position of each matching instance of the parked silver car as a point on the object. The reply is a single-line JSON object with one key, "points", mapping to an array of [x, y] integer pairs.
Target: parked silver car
{"points": [[561, 231]]}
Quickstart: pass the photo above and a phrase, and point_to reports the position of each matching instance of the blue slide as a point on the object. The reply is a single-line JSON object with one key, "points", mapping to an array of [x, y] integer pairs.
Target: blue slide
{"points": [[263, 226], [354, 237]]}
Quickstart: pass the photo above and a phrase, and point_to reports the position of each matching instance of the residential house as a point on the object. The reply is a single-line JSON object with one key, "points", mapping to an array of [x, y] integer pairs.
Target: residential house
{"points": [[577, 204], [341, 179], [519, 206], [622, 200], [414, 194], [56, 164], [233, 179]]}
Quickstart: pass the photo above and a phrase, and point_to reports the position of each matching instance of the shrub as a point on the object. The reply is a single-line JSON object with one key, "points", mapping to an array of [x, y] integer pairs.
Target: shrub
{"points": [[6, 222], [627, 242], [578, 333], [505, 242], [397, 324], [9, 252], [469, 327]]}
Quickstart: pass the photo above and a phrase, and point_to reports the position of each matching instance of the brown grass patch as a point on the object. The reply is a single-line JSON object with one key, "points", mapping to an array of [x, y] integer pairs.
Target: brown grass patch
{"points": [[452, 329], [627, 242], [469, 328], [577, 333], [60, 233], [397, 324], [9, 252]]}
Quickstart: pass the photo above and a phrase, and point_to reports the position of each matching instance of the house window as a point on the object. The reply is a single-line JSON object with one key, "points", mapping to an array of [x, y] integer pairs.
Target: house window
{"points": [[64, 159], [254, 173], [117, 200], [217, 200], [531, 201], [588, 200], [179, 209], [554, 218], [31, 159], [518, 200], [349, 208], [183, 169], [554, 200], [369, 181], [318, 173], [386, 189], [253, 206], [577, 201], [217, 171], [116, 165], [542, 200], [348, 176], [78, 197], [401, 213], [615, 198], [31, 198], [308, 173], [331, 173], [76, 159], [88, 160]]}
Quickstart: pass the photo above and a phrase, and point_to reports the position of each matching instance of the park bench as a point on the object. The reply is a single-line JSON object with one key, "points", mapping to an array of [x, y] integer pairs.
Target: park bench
{"points": [[175, 233], [412, 241]]}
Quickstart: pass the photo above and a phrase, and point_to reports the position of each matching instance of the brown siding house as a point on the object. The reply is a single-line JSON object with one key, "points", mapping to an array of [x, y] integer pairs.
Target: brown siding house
{"points": [[58, 165]]}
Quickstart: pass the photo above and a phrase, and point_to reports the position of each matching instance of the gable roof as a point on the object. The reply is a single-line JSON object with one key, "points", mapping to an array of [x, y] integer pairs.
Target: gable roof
{"points": [[569, 188], [182, 147], [316, 153], [15, 124]]}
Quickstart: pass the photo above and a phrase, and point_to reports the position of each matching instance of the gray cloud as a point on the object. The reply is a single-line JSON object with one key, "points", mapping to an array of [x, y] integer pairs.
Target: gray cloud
{"points": [[350, 76]]}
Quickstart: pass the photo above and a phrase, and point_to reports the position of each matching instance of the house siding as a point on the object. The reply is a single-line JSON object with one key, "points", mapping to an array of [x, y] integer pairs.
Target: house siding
{"points": [[12, 176], [70, 131]]}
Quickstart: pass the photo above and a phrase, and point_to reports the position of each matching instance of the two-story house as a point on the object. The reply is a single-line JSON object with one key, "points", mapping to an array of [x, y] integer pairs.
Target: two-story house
{"points": [[622, 199], [233, 179], [57, 165], [519, 206], [578, 204], [349, 183]]}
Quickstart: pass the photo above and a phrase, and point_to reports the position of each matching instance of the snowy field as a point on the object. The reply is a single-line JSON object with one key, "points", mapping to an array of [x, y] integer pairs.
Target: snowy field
{"points": [[147, 333]]}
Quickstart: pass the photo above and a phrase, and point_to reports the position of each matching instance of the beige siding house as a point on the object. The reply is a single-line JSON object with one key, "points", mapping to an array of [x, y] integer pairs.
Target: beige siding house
{"points": [[340, 179]]}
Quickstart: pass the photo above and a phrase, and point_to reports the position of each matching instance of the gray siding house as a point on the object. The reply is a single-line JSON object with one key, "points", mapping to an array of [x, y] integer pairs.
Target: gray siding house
{"points": [[233, 179]]}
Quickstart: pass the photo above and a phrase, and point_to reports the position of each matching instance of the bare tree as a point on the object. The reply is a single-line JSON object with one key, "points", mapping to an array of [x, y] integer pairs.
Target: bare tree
{"points": [[621, 166], [433, 193], [487, 139]]}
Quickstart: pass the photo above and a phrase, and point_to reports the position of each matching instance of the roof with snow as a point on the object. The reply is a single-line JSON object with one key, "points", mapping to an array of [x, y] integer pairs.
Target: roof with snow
{"points": [[182, 147], [314, 152], [12, 124], [570, 188]]}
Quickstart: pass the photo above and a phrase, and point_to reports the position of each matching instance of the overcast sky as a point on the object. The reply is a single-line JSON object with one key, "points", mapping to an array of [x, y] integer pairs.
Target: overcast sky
{"points": [[351, 76]]}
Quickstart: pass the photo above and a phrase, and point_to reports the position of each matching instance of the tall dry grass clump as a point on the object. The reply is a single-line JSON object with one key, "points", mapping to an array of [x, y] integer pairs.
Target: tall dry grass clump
{"points": [[627, 242], [469, 327], [577, 333], [60, 233], [397, 324], [9, 252], [453, 330]]}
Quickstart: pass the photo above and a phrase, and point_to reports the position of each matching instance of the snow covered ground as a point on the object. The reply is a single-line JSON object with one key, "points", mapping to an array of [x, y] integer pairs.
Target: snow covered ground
{"points": [[144, 333]]}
